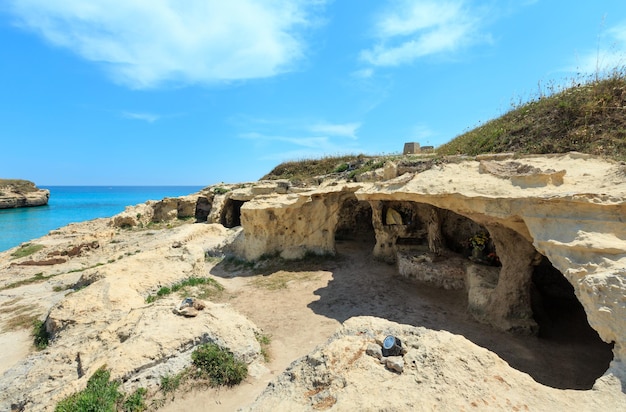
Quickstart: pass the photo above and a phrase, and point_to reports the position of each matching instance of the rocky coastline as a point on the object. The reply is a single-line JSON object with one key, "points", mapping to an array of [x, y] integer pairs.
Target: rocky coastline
{"points": [[344, 264], [21, 193]]}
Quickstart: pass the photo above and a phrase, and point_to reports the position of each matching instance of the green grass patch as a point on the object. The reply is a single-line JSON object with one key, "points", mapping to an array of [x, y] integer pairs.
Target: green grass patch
{"points": [[103, 395], [26, 249], [41, 338], [306, 169], [170, 384], [220, 190], [136, 401], [218, 365], [197, 287]]}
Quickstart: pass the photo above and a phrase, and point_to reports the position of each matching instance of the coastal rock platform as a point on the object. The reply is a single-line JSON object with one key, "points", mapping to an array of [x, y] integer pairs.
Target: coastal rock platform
{"points": [[538, 323]]}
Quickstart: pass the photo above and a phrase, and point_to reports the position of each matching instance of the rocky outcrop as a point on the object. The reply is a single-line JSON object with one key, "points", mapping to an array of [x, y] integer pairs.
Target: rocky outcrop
{"points": [[562, 211], [349, 372], [100, 314], [21, 193], [573, 217]]}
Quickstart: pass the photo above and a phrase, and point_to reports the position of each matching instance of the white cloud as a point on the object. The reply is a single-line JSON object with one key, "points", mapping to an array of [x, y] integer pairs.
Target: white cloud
{"points": [[148, 43], [147, 117], [342, 130], [296, 139], [410, 30]]}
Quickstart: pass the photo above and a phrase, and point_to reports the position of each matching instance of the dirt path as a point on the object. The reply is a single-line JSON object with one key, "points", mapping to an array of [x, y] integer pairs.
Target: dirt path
{"points": [[317, 296]]}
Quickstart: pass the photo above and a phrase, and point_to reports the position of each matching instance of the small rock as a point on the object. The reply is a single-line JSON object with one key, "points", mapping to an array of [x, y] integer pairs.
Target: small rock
{"points": [[188, 312], [395, 363], [374, 351]]}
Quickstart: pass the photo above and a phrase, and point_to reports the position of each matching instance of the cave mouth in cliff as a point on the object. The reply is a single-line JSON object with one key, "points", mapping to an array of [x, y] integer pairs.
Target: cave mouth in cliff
{"points": [[355, 221], [203, 209], [231, 213], [562, 318]]}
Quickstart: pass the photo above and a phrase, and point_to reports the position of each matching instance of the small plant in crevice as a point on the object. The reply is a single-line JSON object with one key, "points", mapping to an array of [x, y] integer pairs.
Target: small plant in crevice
{"points": [[135, 402], [264, 341], [218, 365], [41, 337], [170, 383]]}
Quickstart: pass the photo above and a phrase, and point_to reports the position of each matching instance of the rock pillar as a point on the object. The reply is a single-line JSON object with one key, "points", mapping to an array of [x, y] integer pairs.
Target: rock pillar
{"points": [[386, 235], [509, 305], [435, 237]]}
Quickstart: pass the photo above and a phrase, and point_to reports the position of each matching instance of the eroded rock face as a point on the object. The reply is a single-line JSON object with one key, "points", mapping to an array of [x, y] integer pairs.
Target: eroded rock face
{"points": [[293, 224], [99, 314], [415, 220], [22, 193], [574, 217], [350, 373]]}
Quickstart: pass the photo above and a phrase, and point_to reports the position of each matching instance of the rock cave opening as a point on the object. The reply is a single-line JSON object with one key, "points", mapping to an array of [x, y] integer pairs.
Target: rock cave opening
{"points": [[470, 261], [231, 213], [562, 318], [203, 209], [355, 222]]}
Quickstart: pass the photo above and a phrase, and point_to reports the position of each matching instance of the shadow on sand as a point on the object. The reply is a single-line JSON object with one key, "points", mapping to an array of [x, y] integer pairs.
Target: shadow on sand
{"points": [[565, 357]]}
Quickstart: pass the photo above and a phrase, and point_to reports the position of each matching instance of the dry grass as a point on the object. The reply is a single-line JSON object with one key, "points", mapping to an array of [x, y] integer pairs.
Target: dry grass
{"points": [[18, 185], [588, 117], [281, 279], [20, 317]]}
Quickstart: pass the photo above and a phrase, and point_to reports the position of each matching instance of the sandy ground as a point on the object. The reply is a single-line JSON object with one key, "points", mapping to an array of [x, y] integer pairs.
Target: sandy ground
{"points": [[323, 294]]}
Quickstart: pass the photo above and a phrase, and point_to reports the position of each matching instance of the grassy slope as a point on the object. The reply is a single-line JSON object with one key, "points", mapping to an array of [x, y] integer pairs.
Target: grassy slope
{"points": [[589, 117]]}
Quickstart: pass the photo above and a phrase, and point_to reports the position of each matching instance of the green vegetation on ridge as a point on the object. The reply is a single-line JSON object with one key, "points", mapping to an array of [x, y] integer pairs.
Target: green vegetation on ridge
{"points": [[19, 185], [588, 117]]}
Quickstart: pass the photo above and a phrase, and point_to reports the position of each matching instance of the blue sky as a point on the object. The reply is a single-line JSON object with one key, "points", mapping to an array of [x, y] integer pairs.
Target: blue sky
{"points": [[196, 92]]}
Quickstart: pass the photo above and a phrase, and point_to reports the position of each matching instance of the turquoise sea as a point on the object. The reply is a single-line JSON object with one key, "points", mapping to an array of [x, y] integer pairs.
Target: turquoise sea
{"points": [[69, 204]]}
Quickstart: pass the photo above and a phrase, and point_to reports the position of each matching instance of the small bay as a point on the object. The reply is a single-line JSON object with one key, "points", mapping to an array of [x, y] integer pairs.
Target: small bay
{"points": [[70, 204]]}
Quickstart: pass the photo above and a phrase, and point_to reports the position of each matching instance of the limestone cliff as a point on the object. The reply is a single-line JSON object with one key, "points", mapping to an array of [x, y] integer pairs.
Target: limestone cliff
{"points": [[493, 229], [567, 208], [21, 193]]}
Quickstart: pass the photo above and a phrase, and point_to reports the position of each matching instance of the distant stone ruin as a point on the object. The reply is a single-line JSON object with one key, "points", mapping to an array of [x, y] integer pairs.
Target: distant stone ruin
{"points": [[411, 148]]}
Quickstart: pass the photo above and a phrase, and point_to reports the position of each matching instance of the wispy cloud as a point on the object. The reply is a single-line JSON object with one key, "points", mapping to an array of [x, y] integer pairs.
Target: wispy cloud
{"points": [[290, 139], [363, 73], [409, 30], [343, 129], [312, 142], [422, 133], [147, 117], [149, 43], [610, 53]]}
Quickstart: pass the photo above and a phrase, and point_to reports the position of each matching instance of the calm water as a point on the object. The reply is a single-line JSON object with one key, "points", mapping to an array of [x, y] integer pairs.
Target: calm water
{"points": [[69, 204]]}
